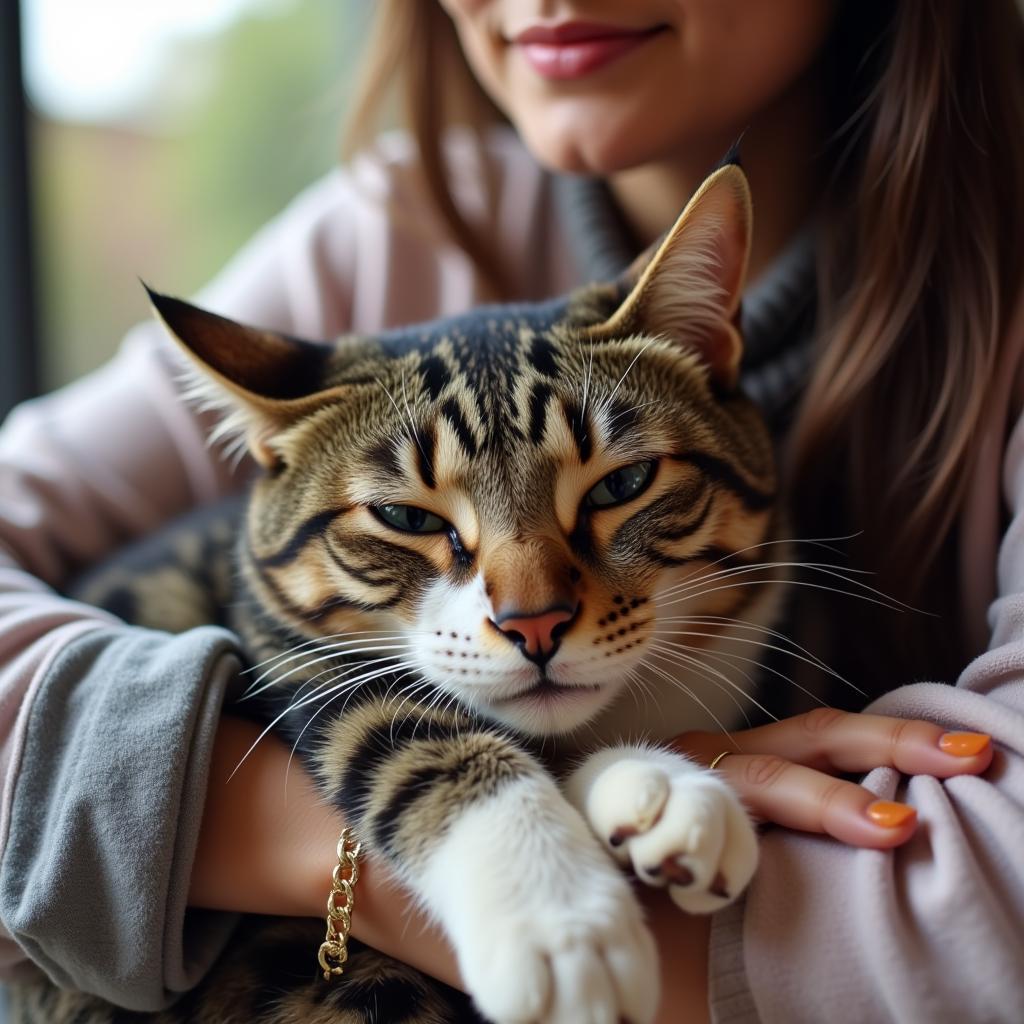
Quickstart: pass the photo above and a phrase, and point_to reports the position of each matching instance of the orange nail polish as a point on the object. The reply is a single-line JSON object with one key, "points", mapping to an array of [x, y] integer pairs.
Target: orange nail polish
{"points": [[963, 744], [888, 814]]}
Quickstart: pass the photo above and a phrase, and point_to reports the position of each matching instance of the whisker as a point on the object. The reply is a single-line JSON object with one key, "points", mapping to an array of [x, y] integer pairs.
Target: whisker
{"points": [[328, 643], [364, 646], [722, 658], [408, 412], [294, 707], [680, 685], [295, 745], [433, 707], [346, 689], [336, 672], [690, 582], [734, 623], [716, 678], [606, 403], [776, 582], [314, 641], [338, 681], [816, 663], [728, 656], [415, 433], [790, 542], [407, 697], [691, 661], [633, 408], [649, 692]]}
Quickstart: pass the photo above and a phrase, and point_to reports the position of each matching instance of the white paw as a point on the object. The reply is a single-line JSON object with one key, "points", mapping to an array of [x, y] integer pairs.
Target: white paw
{"points": [[678, 826], [545, 927]]}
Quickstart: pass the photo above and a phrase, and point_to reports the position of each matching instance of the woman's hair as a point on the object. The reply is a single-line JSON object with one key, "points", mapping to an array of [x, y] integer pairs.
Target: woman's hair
{"points": [[414, 56], [921, 260]]}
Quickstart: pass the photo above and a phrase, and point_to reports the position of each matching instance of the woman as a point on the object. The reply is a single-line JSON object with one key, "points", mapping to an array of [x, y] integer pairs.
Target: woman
{"points": [[883, 144]]}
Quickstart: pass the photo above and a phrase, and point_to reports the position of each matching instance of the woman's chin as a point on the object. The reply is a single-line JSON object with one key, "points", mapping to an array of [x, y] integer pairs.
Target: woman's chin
{"points": [[585, 145]]}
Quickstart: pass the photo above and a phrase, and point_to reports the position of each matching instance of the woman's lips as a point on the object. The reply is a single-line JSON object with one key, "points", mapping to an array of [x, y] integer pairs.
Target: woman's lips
{"points": [[574, 49]]}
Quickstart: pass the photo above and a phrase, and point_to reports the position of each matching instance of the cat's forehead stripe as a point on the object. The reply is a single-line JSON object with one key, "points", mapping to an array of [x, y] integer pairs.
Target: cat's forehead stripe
{"points": [[539, 396], [425, 443], [451, 410], [577, 419]]}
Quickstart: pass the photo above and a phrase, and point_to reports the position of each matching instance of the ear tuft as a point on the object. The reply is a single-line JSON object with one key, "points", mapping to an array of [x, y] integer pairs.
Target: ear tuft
{"points": [[258, 381], [263, 363], [731, 158]]}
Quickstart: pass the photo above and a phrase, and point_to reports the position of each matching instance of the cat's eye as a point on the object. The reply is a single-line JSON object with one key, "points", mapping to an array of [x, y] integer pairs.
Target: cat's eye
{"points": [[410, 519], [621, 485]]}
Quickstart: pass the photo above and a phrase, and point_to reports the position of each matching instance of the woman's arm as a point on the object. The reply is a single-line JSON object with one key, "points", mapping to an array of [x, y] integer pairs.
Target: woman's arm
{"points": [[80, 472], [101, 755], [933, 929], [267, 842], [267, 845]]}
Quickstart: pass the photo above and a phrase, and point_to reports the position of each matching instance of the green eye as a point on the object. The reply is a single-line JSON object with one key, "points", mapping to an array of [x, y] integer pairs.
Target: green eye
{"points": [[410, 519], [621, 485]]}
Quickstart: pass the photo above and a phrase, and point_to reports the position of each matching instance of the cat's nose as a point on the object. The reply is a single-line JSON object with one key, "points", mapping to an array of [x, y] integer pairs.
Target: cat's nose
{"points": [[537, 636]]}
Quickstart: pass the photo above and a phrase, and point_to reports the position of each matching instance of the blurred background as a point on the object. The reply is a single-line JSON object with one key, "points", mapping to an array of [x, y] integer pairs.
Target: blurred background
{"points": [[162, 134]]}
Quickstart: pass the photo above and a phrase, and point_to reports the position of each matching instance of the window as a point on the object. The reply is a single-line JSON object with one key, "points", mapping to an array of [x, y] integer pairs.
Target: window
{"points": [[161, 136], [18, 378]]}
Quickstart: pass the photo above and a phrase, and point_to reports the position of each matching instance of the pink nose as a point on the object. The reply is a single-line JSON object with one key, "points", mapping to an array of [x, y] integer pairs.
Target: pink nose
{"points": [[535, 634]]}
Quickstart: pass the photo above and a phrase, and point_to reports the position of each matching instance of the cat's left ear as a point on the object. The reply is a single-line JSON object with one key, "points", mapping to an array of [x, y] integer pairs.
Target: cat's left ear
{"points": [[689, 289]]}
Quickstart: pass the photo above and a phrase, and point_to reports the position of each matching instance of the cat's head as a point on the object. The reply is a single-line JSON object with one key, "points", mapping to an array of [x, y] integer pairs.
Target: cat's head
{"points": [[512, 503]]}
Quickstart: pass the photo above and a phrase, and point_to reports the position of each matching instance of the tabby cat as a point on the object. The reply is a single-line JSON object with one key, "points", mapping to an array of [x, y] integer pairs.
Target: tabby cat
{"points": [[468, 561]]}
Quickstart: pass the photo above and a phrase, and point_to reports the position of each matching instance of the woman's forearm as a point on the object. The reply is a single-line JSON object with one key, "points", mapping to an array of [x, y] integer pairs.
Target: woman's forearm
{"points": [[267, 846]]}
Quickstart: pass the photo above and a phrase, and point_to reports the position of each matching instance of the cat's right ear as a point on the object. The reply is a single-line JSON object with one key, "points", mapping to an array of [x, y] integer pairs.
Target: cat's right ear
{"points": [[688, 288], [260, 380]]}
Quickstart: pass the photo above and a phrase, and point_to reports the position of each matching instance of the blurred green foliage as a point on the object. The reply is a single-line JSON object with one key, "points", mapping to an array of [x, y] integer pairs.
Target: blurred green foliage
{"points": [[170, 198]]}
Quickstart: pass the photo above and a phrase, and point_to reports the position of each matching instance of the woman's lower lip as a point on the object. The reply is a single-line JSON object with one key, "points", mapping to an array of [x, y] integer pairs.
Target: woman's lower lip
{"points": [[563, 61]]}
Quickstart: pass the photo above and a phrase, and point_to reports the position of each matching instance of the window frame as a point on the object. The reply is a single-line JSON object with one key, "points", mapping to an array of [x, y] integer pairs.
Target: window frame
{"points": [[19, 361]]}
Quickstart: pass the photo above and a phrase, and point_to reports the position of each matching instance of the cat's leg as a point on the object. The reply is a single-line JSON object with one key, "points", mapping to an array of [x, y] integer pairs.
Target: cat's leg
{"points": [[544, 926], [268, 973], [676, 823]]}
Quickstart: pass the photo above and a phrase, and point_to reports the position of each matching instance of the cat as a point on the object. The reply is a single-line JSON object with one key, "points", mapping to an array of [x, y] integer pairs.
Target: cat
{"points": [[465, 570]]}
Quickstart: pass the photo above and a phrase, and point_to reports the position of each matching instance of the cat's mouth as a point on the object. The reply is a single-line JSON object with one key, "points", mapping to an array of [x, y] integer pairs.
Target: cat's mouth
{"points": [[546, 689]]}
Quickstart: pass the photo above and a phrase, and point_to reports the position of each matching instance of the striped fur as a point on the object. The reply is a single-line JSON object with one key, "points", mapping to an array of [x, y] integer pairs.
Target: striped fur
{"points": [[438, 733]]}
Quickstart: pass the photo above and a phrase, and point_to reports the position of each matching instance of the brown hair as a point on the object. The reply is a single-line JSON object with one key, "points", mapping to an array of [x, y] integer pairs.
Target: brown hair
{"points": [[414, 56], [919, 272], [920, 264]]}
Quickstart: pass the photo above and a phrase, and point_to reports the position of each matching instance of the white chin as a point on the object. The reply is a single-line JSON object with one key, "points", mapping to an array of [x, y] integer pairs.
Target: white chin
{"points": [[550, 713]]}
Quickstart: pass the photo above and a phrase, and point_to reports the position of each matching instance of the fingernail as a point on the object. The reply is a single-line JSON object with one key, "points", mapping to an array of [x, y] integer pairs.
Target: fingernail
{"points": [[887, 814], [963, 744]]}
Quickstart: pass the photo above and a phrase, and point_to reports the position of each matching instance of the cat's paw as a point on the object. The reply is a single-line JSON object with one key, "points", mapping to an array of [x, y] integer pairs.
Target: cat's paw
{"points": [[678, 826], [545, 927]]}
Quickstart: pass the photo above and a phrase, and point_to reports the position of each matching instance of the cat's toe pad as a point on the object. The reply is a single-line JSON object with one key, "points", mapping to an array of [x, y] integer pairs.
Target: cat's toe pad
{"points": [[635, 795], [694, 837]]}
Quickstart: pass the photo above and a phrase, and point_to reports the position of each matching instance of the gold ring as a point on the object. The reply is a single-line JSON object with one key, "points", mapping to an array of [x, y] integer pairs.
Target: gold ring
{"points": [[714, 763]]}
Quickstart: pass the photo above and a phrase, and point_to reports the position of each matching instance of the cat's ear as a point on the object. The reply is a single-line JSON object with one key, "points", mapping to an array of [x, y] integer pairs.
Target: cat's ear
{"points": [[261, 381], [689, 288]]}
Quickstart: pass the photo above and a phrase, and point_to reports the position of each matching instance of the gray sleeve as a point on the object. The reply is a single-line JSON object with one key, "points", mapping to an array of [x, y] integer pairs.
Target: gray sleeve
{"points": [[106, 814]]}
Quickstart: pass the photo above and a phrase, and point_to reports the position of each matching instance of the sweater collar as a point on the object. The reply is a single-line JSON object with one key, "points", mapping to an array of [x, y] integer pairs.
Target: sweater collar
{"points": [[778, 312]]}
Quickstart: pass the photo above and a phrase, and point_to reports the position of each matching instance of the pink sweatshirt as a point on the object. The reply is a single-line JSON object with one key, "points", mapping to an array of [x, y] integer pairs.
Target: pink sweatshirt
{"points": [[931, 932]]}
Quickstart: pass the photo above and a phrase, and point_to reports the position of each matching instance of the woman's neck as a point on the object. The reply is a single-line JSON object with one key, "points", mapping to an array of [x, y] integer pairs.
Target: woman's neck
{"points": [[781, 153]]}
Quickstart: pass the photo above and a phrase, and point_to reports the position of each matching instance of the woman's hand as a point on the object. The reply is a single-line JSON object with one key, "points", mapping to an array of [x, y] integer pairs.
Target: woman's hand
{"points": [[786, 772]]}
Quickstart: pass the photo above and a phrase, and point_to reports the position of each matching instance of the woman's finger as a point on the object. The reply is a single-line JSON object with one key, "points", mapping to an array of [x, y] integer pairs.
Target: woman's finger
{"points": [[840, 741], [808, 800]]}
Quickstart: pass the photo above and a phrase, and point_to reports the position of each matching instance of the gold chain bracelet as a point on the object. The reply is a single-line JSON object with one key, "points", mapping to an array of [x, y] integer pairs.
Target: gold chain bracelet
{"points": [[334, 949]]}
